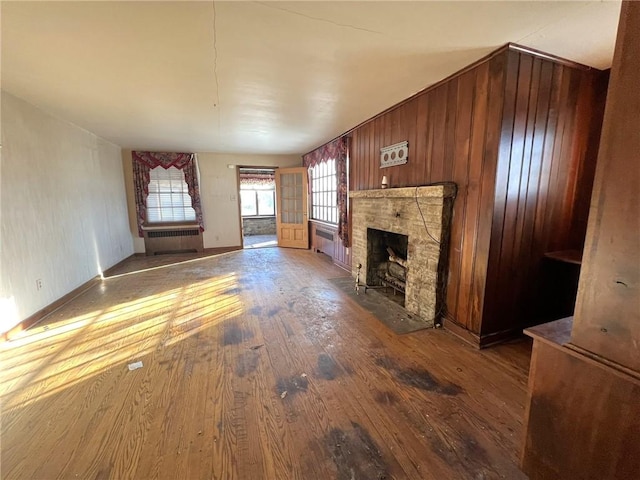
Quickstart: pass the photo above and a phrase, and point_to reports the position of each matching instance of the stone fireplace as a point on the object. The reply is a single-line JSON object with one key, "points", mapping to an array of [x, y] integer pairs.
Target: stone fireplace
{"points": [[413, 223]]}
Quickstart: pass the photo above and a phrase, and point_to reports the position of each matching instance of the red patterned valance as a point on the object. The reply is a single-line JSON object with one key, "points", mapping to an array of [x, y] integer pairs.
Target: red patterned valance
{"points": [[163, 159], [333, 150], [257, 179]]}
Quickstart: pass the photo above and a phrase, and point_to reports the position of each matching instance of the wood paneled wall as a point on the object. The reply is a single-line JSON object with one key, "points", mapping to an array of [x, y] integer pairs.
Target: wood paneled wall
{"points": [[548, 149], [507, 127], [453, 132]]}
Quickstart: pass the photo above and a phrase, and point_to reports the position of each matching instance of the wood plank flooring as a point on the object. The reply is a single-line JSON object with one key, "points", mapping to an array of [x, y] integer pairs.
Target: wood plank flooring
{"points": [[255, 367]]}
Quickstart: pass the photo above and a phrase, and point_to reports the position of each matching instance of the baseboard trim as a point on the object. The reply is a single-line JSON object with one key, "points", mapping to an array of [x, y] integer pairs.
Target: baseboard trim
{"points": [[462, 333], [343, 266], [219, 250], [110, 270], [499, 337], [49, 309], [480, 341]]}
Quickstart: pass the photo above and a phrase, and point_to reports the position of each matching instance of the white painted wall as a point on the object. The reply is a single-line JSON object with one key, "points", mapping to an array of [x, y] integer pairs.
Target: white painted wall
{"points": [[63, 209], [218, 192]]}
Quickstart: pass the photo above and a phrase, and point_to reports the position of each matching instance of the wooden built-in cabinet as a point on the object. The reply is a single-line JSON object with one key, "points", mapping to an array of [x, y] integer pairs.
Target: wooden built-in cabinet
{"points": [[583, 413], [324, 239], [582, 417]]}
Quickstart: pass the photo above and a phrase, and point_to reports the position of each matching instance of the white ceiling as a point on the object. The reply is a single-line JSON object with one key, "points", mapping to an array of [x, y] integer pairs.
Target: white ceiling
{"points": [[264, 77]]}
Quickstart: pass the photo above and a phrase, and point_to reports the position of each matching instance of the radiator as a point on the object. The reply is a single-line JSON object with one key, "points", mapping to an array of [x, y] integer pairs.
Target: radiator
{"points": [[323, 234], [173, 239]]}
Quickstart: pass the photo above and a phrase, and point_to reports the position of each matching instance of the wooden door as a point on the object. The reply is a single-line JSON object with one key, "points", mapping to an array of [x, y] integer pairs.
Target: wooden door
{"points": [[291, 213]]}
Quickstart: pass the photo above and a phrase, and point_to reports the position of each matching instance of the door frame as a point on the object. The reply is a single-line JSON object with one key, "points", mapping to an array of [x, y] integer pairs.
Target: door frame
{"points": [[238, 168]]}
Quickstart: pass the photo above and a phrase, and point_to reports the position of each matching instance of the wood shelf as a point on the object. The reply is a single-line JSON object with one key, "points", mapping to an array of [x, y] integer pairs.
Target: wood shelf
{"points": [[557, 332]]}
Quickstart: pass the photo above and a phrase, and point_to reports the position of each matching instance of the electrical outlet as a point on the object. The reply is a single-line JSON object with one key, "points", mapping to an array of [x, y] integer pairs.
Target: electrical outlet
{"points": [[39, 284]]}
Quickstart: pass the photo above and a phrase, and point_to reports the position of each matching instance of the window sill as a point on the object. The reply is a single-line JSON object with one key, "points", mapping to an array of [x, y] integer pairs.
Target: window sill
{"points": [[258, 216], [166, 225], [322, 222]]}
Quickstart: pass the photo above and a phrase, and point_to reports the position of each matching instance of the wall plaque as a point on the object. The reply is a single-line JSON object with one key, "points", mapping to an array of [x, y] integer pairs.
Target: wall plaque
{"points": [[396, 154]]}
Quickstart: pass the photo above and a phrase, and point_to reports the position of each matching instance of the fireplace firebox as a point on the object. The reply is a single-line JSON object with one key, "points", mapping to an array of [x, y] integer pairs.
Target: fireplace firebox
{"points": [[387, 259]]}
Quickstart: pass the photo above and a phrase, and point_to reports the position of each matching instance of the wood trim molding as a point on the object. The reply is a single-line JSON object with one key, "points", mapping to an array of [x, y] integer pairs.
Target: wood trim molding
{"points": [[602, 362], [421, 92], [109, 271], [479, 341], [462, 333], [239, 207], [342, 265], [499, 337], [507, 47], [220, 250], [548, 56], [49, 309], [328, 226]]}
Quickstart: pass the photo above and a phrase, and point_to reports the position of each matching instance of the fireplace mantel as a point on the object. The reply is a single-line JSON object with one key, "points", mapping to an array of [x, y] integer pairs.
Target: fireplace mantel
{"points": [[421, 213], [446, 190]]}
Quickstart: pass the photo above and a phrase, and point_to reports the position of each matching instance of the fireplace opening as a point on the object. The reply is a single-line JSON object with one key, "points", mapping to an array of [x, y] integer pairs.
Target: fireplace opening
{"points": [[387, 262]]}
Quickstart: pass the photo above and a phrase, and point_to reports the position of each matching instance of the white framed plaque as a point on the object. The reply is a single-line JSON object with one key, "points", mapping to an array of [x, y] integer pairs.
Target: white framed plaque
{"points": [[396, 154]]}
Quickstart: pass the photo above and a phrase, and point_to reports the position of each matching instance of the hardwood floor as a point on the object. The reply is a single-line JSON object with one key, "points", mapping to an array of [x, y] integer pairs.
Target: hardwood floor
{"points": [[254, 367], [260, 241]]}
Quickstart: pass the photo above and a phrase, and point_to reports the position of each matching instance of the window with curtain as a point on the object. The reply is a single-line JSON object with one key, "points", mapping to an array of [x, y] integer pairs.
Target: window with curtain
{"points": [[168, 199], [166, 188], [328, 169], [324, 191]]}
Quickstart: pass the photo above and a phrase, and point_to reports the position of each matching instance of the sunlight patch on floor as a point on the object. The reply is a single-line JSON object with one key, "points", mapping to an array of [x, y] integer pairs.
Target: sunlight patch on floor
{"points": [[46, 360]]}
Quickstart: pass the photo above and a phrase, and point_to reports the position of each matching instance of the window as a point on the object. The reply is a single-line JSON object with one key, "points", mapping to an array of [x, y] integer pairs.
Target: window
{"points": [[257, 192], [324, 195], [257, 201], [168, 199]]}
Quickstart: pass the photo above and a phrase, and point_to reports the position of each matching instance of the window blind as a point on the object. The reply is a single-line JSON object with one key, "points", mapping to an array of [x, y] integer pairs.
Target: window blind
{"points": [[168, 199]]}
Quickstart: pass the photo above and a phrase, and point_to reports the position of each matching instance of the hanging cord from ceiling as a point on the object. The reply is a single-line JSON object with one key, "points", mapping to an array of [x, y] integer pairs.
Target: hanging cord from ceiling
{"points": [[215, 55]]}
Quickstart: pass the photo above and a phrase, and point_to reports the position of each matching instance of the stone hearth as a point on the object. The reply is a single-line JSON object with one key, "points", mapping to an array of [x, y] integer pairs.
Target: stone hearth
{"points": [[396, 210]]}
